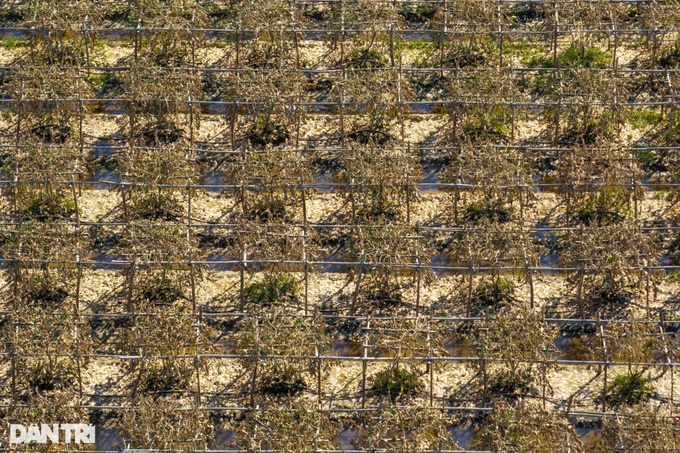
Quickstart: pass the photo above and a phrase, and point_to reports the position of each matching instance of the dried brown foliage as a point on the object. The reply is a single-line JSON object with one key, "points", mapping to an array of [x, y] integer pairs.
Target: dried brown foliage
{"points": [[526, 427]]}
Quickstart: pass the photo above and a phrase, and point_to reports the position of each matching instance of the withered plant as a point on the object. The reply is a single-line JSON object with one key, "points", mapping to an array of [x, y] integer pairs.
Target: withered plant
{"points": [[278, 353], [268, 181], [386, 254], [406, 341], [377, 191], [516, 351], [44, 290], [526, 427], [598, 187], [165, 423], [41, 173], [609, 265], [411, 429], [642, 428], [496, 184], [288, 428], [491, 247]]}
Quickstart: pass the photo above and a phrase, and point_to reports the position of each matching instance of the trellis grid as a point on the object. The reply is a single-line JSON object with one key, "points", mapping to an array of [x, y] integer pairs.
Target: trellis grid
{"points": [[342, 225]]}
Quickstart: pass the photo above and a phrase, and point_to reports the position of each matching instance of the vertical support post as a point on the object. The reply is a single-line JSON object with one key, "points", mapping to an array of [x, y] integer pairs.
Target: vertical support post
{"points": [[364, 364], [304, 242], [197, 359], [469, 292], [442, 41], [400, 107], [605, 355], [581, 305], [500, 35], [192, 275], [512, 117], [392, 44], [12, 355], [342, 120], [76, 315], [669, 358], [306, 271], [242, 269], [318, 379], [355, 296], [408, 199], [253, 383], [419, 271], [87, 47], [430, 368], [482, 359], [131, 282], [139, 25]]}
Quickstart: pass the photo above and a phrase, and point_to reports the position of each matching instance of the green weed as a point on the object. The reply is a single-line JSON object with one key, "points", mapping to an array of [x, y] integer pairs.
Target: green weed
{"points": [[273, 288], [629, 389], [645, 117], [395, 382], [11, 43], [493, 293], [47, 207]]}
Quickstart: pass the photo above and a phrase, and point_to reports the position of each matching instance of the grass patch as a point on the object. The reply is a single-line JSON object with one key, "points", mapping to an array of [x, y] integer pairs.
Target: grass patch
{"points": [[642, 118], [608, 296], [319, 13], [47, 295], [523, 48], [475, 214], [674, 276], [107, 82], [610, 209], [466, 57], [395, 382], [671, 134], [44, 379], [510, 386], [652, 160], [47, 207], [52, 133], [370, 135], [587, 133], [160, 133], [288, 383], [527, 12], [416, 44], [165, 56], [670, 57], [488, 124], [118, 14], [11, 43], [494, 293], [164, 379], [575, 56], [266, 131], [419, 14], [384, 298], [365, 58], [274, 288], [629, 389], [380, 210], [590, 215], [267, 210], [156, 206], [163, 293]]}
